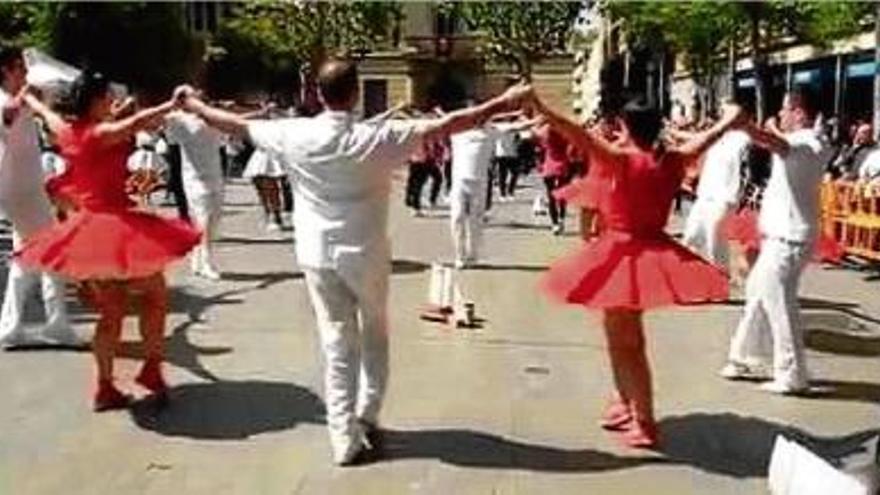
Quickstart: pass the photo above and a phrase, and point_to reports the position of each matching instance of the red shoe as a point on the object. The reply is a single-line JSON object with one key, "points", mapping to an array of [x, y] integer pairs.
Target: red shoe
{"points": [[641, 435], [151, 378], [109, 398], [617, 416]]}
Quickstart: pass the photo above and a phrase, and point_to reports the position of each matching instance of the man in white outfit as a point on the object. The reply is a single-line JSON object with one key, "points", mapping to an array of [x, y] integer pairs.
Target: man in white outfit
{"points": [[472, 153], [788, 222], [23, 200], [202, 173], [717, 195], [341, 172]]}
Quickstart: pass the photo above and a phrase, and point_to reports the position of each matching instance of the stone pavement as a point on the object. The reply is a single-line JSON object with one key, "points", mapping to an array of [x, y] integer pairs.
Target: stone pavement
{"points": [[510, 408]]}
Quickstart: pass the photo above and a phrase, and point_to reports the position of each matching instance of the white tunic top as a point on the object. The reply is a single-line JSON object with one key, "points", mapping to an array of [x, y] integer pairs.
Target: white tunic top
{"points": [[720, 180], [22, 196], [341, 171], [200, 151], [790, 209], [472, 154]]}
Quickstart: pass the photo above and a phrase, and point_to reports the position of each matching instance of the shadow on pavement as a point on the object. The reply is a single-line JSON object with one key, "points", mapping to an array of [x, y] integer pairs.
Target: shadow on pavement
{"points": [[266, 279], [468, 448], [402, 267], [250, 240], [843, 343], [741, 446], [179, 352], [514, 225], [508, 267], [230, 410]]}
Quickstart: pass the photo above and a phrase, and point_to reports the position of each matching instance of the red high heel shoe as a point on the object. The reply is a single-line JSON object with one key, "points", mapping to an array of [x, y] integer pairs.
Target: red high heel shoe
{"points": [[109, 398], [616, 416], [151, 379], [640, 435]]}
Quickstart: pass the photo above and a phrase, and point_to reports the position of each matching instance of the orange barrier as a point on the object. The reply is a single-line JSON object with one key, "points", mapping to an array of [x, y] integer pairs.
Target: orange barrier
{"points": [[850, 213]]}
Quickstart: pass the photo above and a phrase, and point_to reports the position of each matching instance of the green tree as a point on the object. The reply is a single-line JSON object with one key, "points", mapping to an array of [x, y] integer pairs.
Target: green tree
{"points": [[274, 37], [519, 33], [25, 23], [142, 44]]}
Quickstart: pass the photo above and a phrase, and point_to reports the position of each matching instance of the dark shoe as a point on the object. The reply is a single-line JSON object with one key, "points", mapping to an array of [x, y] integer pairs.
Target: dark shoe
{"points": [[374, 437], [109, 398]]}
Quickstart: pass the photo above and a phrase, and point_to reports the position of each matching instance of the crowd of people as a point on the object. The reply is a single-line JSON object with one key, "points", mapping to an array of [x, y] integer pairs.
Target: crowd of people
{"points": [[623, 171]]}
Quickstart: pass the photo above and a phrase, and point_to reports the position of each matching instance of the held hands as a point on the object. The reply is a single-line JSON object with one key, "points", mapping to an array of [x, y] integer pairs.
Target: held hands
{"points": [[734, 114], [520, 95]]}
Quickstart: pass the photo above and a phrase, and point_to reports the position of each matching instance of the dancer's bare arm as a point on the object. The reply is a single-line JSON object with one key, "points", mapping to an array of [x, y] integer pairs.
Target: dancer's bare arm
{"points": [[586, 141], [697, 144], [125, 128], [228, 122], [54, 122], [769, 138]]}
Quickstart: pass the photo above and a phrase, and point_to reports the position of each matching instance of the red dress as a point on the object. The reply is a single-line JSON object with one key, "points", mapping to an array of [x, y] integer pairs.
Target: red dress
{"points": [[742, 227], [555, 162], [633, 264], [105, 237]]}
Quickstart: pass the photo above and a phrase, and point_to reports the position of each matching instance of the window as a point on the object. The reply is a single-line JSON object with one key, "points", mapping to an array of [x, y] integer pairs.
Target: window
{"points": [[375, 96]]}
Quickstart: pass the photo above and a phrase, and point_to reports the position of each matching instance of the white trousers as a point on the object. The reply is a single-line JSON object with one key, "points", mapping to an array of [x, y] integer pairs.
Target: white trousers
{"points": [[353, 327], [702, 231], [206, 210], [771, 324], [467, 206], [28, 216]]}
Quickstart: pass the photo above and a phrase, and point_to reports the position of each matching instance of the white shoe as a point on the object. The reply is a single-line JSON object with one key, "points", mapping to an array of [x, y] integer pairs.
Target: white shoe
{"points": [[461, 264], [64, 337], [557, 229], [273, 227], [739, 371], [209, 273], [417, 214], [19, 339], [784, 388]]}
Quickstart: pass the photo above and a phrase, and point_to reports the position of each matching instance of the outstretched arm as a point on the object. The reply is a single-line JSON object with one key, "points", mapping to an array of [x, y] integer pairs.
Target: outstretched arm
{"points": [[770, 138], [585, 140], [467, 118], [694, 146], [123, 129], [54, 122], [228, 122]]}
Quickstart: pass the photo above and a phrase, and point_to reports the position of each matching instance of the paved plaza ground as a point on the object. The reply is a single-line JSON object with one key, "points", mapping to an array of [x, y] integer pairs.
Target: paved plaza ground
{"points": [[510, 408]]}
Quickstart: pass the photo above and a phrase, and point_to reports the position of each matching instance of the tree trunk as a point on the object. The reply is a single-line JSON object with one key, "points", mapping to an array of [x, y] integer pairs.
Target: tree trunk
{"points": [[876, 72], [731, 70], [758, 65]]}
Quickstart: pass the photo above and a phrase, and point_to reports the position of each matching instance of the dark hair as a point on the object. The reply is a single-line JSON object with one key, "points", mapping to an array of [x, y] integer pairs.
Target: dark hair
{"points": [[337, 81], [643, 121], [84, 90], [9, 53], [806, 99]]}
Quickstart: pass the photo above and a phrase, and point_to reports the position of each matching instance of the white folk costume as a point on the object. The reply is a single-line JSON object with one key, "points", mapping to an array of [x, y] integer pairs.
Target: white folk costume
{"points": [[202, 174], [472, 152], [23, 200], [788, 223], [717, 195], [341, 175]]}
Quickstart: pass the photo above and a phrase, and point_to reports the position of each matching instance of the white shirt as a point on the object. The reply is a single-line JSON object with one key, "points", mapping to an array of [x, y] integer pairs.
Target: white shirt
{"points": [[790, 208], [199, 149], [720, 180], [505, 140], [869, 165], [21, 172], [341, 171], [472, 154]]}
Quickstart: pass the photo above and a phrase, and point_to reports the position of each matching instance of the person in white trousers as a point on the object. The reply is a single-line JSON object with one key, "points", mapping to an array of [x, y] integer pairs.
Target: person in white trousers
{"points": [[717, 195], [472, 152], [23, 199], [788, 222], [202, 174], [341, 173]]}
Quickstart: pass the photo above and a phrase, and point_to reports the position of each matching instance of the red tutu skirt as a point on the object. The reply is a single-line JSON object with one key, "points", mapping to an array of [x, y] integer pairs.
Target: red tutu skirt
{"points": [[742, 227], [117, 245], [620, 271]]}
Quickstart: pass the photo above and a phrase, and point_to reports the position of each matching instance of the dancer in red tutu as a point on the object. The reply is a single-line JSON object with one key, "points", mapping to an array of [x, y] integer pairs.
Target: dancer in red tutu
{"points": [[633, 265], [120, 251]]}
